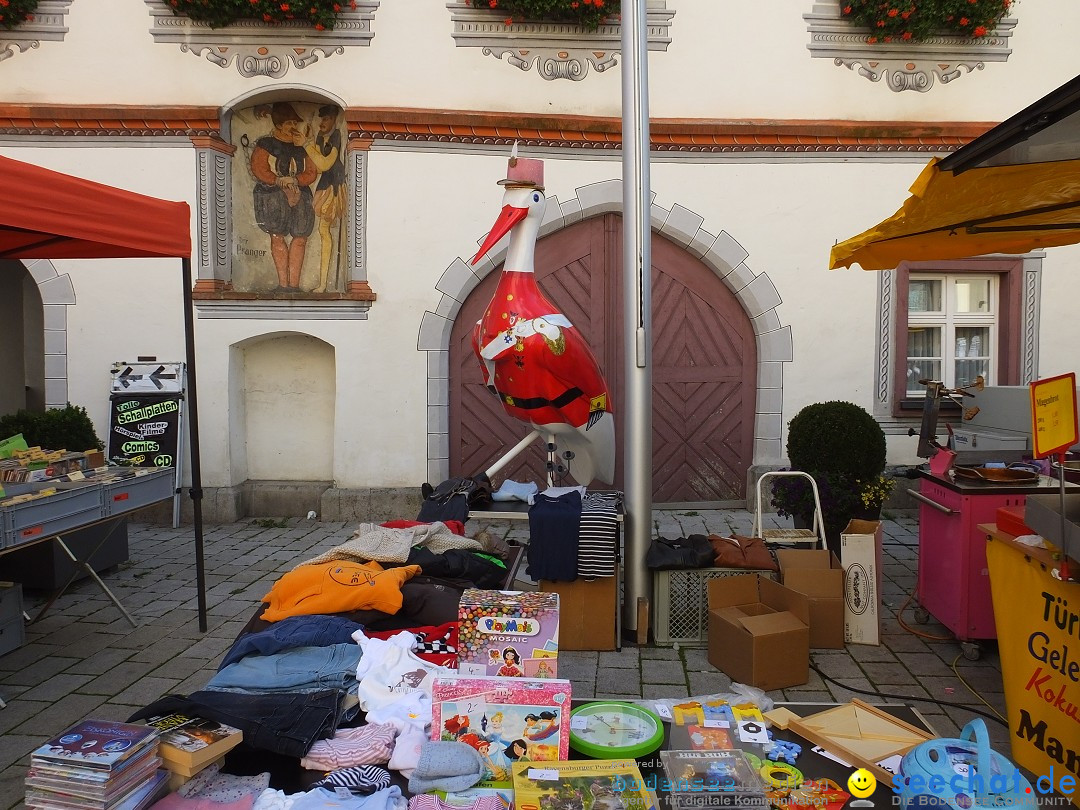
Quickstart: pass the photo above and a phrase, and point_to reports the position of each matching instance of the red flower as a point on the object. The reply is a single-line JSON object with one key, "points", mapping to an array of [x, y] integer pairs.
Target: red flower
{"points": [[906, 14], [893, 12], [888, 38], [284, 6], [493, 3], [320, 27], [598, 3], [337, 7], [880, 23], [907, 35], [980, 31], [847, 9], [964, 21], [267, 18], [574, 4], [4, 3], [509, 21], [871, 39]]}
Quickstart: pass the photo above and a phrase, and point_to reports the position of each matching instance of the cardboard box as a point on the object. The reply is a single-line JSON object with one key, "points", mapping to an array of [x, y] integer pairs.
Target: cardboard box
{"points": [[586, 612], [860, 554], [510, 633], [817, 574], [759, 632]]}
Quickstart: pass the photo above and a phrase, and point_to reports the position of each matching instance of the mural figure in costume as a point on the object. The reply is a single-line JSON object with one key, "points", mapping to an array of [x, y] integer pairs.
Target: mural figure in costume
{"points": [[531, 355], [326, 153], [282, 199]]}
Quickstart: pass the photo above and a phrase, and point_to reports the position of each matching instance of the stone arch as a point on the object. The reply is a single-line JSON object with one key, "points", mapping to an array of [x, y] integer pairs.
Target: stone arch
{"points": [[721, 253], [57, 294]]}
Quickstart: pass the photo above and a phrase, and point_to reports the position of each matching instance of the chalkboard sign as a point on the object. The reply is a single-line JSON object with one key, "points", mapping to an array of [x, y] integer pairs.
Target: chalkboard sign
{"points": [[145, 429]]}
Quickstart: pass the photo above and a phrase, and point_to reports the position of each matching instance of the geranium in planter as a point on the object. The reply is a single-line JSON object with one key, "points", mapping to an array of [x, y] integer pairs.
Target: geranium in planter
{"points": [[16, 12], [319, 14], [918, 20], [589, 14]]}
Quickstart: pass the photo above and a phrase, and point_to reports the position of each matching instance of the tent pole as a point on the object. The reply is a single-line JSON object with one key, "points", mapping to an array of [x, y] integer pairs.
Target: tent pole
{"points": [[193, 434]]}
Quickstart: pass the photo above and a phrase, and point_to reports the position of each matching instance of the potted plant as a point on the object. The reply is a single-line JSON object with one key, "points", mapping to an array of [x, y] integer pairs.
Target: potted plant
{"points": [[16, 12], [843, 448], [67, 428], [586, 13], [319, 14], [919, 20]]}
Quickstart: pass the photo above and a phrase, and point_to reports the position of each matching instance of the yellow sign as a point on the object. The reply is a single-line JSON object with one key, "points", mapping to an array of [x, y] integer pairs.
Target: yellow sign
{"points": [[1038, 629], [1053, 414]]}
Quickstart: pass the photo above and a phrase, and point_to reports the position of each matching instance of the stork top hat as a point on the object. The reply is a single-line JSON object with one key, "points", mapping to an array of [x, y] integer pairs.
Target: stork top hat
{"points": [[527, 172]]}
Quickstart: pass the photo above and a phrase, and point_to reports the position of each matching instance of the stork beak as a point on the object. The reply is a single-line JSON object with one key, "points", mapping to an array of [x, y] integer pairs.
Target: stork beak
{"points": [[508, 218]]}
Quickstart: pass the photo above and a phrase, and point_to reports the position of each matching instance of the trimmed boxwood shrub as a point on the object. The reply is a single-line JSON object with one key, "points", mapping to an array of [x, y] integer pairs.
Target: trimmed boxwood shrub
{"points": [[67, 428]]}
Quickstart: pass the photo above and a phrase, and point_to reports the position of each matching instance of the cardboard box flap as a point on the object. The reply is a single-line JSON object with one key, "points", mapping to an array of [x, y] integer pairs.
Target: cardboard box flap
{"points": [[861, 527], [768, 624], [814, 572], [777, 596], [738, 590]]}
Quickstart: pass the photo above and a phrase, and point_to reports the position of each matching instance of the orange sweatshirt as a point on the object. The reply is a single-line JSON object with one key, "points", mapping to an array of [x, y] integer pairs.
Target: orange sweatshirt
{"points": [[335, 587]]}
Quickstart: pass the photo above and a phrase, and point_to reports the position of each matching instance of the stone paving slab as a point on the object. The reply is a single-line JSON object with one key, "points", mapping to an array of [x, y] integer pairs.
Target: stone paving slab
{"points": [[84, 660]]}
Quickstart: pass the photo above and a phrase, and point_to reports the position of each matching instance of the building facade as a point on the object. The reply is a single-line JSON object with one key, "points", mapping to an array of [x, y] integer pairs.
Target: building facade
{"points": [[339, 182]]}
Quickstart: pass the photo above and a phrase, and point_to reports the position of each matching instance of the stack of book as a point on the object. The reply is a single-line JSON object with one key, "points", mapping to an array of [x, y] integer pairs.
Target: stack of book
{"points": [[97, 765], [190, 744]]}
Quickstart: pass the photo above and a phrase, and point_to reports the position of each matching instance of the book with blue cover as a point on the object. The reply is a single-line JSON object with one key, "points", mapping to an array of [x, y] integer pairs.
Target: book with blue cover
{"points": [[103, 745]]}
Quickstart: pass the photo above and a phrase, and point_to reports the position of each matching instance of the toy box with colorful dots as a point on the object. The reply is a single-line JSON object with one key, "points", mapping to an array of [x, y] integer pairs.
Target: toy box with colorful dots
{"points": [[510, 633]]}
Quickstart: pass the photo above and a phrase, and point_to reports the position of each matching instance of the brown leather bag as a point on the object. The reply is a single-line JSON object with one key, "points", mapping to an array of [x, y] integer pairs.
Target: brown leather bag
{"points": [[742, 552]]}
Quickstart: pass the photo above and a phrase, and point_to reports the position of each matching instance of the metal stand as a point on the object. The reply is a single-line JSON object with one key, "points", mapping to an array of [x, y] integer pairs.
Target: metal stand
{"points": [[89, 570]]}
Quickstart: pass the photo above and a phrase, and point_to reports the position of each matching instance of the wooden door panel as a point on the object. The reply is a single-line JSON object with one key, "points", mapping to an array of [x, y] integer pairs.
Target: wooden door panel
{"points": [[703, 366]]}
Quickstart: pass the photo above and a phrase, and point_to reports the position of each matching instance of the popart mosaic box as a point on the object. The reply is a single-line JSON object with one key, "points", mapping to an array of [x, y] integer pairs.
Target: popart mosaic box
{"points": [[508, 633]]}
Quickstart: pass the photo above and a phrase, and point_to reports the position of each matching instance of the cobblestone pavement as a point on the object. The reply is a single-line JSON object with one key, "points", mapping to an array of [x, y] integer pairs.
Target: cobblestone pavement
{"points": [[83, 659]]}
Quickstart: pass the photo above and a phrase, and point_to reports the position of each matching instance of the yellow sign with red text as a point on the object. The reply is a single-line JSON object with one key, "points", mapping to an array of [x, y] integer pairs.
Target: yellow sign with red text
{"points": [[1053, 414], [1038, 629]]}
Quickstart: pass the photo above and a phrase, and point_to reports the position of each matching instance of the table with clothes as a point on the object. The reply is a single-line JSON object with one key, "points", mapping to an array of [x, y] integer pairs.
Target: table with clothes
{"points": [[330, 680]]}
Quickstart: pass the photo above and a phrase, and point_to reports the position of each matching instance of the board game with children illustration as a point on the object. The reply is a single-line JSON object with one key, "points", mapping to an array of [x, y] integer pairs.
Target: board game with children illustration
{"points": [[505, 720]]}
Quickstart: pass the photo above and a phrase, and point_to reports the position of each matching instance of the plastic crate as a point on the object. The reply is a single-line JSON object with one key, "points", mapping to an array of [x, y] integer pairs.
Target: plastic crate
{"points": [[74, 504], [129, 494], [681, 603]]}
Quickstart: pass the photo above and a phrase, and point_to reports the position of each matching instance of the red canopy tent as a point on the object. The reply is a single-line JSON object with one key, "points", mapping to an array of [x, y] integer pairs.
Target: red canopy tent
{"points": [[49, 215]]}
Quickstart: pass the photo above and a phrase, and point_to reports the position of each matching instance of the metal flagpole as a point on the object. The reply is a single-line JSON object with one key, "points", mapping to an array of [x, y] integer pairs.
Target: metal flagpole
{"points": [[637, 303]]}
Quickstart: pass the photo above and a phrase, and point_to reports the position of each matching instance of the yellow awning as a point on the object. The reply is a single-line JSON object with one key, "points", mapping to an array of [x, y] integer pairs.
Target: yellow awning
{"points": [[996, 209]]}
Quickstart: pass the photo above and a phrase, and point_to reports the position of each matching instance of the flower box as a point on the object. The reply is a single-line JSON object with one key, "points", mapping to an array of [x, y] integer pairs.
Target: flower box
{"points": [[259, 48], [903, 65], [559, 50]]}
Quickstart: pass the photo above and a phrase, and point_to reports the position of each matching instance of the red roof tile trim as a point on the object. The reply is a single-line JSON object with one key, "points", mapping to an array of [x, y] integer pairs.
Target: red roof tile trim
{"points": [[485, 128]]}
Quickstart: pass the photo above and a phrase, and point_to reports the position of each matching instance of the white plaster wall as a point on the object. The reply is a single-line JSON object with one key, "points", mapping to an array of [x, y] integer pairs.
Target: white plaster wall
{"points": [[726, 60], [289, 405]]}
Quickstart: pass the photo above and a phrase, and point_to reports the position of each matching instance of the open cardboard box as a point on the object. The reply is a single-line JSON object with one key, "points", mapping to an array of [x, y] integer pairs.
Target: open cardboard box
{"points": [[759, 631], [817, 573]]}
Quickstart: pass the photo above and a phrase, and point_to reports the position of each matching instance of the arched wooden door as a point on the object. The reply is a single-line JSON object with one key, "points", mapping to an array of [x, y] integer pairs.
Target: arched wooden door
{"points": [[704, 363]]}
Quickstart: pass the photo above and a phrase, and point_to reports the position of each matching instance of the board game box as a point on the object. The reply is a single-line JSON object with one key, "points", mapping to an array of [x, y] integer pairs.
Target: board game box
{"points": [[599, 784], [504, 719], [510, 633]]}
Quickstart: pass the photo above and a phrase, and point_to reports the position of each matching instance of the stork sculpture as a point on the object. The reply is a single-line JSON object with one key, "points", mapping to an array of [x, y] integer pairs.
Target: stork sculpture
{"points": [[532, 357]]}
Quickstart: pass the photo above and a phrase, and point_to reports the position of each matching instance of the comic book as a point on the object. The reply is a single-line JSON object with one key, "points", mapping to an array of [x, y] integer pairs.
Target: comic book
{"points": [[504, 719], [596, 784]]}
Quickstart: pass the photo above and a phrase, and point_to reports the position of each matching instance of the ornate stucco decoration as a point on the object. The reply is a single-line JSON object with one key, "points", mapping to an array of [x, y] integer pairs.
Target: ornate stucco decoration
{"points": [[908, 65], [260, 49], [559, 50], [48, 25]]}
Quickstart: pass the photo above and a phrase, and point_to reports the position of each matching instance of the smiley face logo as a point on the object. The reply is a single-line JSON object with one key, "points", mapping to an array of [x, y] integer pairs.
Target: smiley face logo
{"points": [[862, 783]]}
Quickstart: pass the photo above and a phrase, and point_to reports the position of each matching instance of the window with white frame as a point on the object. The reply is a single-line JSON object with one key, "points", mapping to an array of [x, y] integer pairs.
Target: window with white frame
{"points": [[952, 330]]}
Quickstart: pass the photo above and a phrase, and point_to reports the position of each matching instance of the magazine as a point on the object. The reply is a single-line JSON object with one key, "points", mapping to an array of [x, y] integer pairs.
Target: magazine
{"points": [[98, 744]]}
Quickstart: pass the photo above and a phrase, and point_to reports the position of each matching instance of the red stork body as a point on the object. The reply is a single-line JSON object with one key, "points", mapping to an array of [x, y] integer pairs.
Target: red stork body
{"points": [[532, 356]]}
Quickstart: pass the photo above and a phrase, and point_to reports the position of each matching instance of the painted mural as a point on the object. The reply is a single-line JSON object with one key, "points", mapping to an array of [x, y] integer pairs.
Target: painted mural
{"points": [[289, 198]]}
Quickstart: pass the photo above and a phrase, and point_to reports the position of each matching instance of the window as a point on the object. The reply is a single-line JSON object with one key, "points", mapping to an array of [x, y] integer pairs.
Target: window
{"points": [[956, 320], [951, 331]]}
